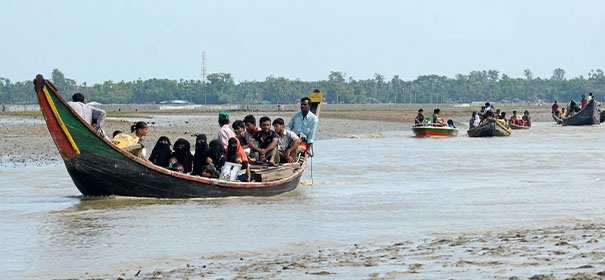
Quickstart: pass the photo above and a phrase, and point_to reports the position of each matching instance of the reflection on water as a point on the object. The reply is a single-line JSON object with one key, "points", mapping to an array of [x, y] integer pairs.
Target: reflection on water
{"points": [[367, 189]]}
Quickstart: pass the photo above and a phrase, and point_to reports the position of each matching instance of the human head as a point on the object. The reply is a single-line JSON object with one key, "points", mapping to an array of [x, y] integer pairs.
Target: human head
{"points": [[238, 127], [487, 104], [164, 140], [139, 128], [278, 125], [556, 102], [77, 97], [526, 112], [250, 123], [514, 113], [590, 94], [474, 113], [420, 111], [583, 95], [116, 133], [436, 111], [200, 138], [265, 124], [223, 118], [208, 171], [450, 121], [179, 167], [305, 104], [503, 115]]}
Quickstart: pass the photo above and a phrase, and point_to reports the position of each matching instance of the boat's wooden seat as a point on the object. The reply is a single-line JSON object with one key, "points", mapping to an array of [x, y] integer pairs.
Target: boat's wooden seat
{"points": [[266, 173]]}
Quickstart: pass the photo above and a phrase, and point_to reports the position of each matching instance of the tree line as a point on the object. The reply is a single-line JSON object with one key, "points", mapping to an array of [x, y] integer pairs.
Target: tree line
{"points": [[220, 88]]}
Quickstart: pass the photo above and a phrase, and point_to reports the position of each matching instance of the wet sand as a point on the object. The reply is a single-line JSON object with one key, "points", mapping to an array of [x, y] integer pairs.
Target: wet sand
{"points": [[562, 252]]}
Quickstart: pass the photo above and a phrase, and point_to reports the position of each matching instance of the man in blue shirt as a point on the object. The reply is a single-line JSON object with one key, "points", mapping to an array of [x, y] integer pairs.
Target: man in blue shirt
{"points": [[304, 123]]}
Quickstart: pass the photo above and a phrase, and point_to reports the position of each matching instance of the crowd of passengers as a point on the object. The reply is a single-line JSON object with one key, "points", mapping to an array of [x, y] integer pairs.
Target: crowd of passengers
{"points": [[486, 113], [242, 142]]}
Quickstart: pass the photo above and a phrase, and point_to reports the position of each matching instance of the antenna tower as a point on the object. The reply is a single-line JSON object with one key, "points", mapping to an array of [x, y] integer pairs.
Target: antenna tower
{"points": [[204, 71]]}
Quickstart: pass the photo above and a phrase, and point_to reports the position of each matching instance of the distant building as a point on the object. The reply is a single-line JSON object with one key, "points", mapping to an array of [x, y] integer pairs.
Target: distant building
{"points": [[185, 102]]}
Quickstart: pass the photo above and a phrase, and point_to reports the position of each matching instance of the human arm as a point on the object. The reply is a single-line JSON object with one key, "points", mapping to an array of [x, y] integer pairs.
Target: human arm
{"points": [[292, 150], [98, 115]]}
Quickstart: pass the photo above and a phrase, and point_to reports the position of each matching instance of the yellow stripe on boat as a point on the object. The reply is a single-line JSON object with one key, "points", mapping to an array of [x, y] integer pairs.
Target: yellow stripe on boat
{"points": [[60, 121]]}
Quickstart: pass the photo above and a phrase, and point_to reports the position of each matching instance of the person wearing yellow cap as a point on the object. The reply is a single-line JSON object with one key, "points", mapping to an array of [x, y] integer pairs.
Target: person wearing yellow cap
{"points": [[224, 133]]}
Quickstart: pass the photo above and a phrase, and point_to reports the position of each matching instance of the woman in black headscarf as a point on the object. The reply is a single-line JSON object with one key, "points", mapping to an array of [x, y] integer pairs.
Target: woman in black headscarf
{"points": [[217, 152], [201, 157], [182, 153], [160, 155]]}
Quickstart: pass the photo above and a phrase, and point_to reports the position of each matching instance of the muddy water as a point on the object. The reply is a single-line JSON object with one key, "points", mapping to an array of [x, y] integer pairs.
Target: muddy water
{"points": [[390, 188]]}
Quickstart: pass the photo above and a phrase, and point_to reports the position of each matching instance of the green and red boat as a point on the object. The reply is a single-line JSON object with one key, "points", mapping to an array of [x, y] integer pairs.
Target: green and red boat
{"points": [[100, 168], [428, 130]]}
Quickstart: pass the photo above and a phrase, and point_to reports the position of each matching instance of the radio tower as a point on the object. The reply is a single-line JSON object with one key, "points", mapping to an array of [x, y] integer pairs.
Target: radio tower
{"points": [[204, 71]]}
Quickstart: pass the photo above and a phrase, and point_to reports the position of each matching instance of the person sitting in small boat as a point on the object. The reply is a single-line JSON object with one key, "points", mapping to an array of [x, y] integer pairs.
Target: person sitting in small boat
{"points": [[450, 123], [179, 167], [160, 155], [236, 154], [182, 153], [584, 101], [225, 132], [436, 120], [514, 118], [90, 114], [488, 107], [124, 140], [264, 147], [502, 116], [217, 154], [475, 120], [239, 127], [555, 108], [526, 118], [209, 171], [481, 113], [287, 144], [419, 120], [201, 157]]}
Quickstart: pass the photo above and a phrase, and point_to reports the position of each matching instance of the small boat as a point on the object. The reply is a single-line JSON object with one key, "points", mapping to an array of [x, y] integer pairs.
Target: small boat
{"points": [[100, 168], [488, 129], [434, 131], [586, 116], [516, 126]]}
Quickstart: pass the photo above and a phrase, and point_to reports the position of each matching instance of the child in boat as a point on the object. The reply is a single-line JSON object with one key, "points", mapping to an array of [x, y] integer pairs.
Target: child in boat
{"points": [[236, 154], [436, 120]]}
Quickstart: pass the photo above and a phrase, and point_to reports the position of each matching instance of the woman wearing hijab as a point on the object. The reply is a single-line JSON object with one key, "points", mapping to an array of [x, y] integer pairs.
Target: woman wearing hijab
{"points": [[235, 153], [160, 155], [201, 158], [217, 153], [182, 153]]}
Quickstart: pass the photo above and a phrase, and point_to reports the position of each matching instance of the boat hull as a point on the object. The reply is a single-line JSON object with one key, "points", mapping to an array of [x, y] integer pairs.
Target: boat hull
{"points": [[518, 127], [488, 129], [432, 131], [589, 115], [99, 168]]}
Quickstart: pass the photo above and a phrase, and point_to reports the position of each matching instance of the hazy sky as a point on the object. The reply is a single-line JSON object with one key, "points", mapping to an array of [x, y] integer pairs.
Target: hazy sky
{"points": [[94, 41]]}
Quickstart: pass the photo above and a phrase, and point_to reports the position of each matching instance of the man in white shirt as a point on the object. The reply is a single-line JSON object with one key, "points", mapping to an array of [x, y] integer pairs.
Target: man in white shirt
{"points": [[224, 133], [91, 115]]}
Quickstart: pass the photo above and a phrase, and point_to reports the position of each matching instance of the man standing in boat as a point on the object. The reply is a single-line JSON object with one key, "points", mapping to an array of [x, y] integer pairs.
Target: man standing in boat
{"points": [[304, 124], [555, 108], [92, 116], [584, 101], [224, 133]]}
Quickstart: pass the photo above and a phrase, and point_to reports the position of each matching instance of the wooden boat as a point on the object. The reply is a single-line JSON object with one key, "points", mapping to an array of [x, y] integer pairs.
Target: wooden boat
{"points": [[516, 126], [435, 131], [489, 128], [99, 168], [586, 116]]}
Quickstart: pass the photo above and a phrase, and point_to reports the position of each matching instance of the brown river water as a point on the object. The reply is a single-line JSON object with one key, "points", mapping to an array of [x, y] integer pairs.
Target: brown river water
{"points": [[368, 190]]}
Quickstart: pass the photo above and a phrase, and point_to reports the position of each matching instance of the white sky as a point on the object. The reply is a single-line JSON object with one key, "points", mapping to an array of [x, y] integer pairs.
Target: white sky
{"points": [[94, 41]]}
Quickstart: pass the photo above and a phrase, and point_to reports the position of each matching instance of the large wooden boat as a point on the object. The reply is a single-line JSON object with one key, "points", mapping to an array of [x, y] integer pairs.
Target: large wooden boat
{"points": [[434, 131], [586, 116], [99, 168], [488, 129]]}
